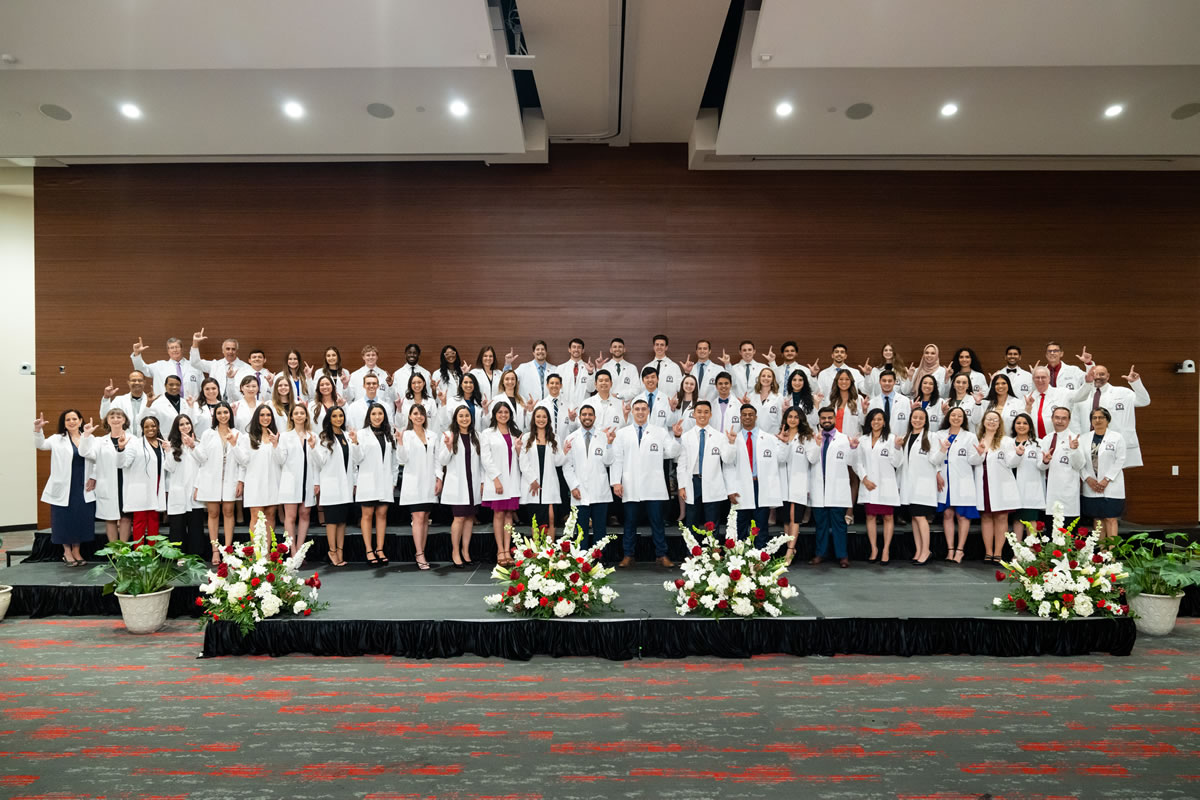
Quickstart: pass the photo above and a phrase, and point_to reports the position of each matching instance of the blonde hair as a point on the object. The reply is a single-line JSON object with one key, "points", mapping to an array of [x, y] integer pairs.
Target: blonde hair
{"points": [[996, 437]]}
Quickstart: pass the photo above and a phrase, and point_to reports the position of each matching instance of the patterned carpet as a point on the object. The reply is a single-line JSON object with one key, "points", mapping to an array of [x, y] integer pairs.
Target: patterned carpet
{"points": [[87, 711]]}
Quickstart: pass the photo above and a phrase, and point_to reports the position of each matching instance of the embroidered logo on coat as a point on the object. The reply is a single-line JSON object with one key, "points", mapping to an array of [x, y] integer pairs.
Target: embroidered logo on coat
{"points": [[653, 448], [841, 455], [1119, 407], [766, 454], [962, 452]]}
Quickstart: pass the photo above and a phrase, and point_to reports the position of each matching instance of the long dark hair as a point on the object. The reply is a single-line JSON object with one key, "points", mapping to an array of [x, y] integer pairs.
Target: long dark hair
{"points": [[805, 399], [424, 413], [924, 430], [966, 425], [227, 407], [513, 430], [332, 391], [175, 437], [1028, 421], [887, 429], [835, 392], [975, 365], [425, 395], [533, 430], [445, 369], [991, 395], [206, 382], [385, 428], [476, 395], [487, 348], [934, 396], [327, 435], [803, 430], [62, 419], [256, 427], [456, 434]]}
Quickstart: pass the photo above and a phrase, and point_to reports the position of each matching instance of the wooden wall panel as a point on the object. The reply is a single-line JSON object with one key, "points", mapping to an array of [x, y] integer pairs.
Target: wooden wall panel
{"points": [[605, 242]]}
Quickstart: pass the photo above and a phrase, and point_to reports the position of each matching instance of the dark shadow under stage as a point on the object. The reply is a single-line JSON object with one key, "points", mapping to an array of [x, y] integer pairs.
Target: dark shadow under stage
{"points": [[399, 610]]}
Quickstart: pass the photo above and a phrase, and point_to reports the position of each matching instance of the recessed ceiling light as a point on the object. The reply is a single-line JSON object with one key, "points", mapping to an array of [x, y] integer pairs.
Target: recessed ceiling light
{"points": [[949, 110], [1114, 110], [55, 112], [458, 108], [381, 110], [131, 111], [1186, 111], [293, 109], [860, 111], [784, 109]]}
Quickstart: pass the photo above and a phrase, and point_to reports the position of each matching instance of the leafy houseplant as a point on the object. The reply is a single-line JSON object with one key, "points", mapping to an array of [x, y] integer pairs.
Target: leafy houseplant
{"points": [[1159, 570], [142, 574]]}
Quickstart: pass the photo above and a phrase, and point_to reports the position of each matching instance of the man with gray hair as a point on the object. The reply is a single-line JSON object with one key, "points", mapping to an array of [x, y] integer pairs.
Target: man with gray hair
{"points": [[227, 371], [1040, 403], [173, 364]]}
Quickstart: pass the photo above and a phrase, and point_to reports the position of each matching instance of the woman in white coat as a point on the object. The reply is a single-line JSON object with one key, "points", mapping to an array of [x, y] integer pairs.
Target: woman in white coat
{"points": [[849, 409], [510, 392], [928, 397], [499, 447], [1031, 481], [1104, 474], [541, 455], [146, 480], [339, 375], [261, 455], [960, 396], [298, 476], [243, 410], [800, 453], [325, 397], [72, 504], [967, 363], [799, 394], [488, 372], [767, 402], [919, 479], [218, 484], [956, 482], [1000, 398], [458, 453], [996, 492], [469, 398], [335, 482], [373, 451], [416, 393], [878, 460], [201, 408], [929, 366], [110, 457], [297, 375], [185, 515], [282, 402], [421, 481]]}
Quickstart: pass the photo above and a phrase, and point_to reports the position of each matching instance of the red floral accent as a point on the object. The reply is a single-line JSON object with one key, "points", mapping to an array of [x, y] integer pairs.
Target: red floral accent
{"points": [[723, 604], [1031, 572], [1037, 548], [1057, 554], [761, 594], [255, 582], [766, 556], [270, 577], [692, 602], [730, 543], [199, 601], [783, 581], [247, 550], [566, 546], [735, 574], [223, 570], [545, 601], [679, 583], [1097, 558], [696, 550], [1020, 602], [308, 612], [1068, 598], [597, 555], [1040, 526], [999, 576], [574, 577], [709, 526]]}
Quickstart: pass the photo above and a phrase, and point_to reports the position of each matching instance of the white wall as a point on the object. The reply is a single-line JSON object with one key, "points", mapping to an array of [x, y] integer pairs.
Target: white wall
{"points": [[18, 463]]}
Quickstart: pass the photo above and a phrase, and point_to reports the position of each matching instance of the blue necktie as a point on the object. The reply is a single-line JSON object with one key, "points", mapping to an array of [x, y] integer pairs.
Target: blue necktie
{"points": [[650, 397], [700, 380], [825, 449], [887, 407], [639, 435], [700, 462], [542, 377]]}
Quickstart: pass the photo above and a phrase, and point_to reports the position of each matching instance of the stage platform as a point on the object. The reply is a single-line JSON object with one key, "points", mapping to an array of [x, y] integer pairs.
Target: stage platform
{"points": [[400, 610]]}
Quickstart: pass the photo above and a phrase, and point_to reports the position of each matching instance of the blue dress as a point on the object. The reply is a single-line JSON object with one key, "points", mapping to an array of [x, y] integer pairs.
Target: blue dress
{"points": [[75, 522]]}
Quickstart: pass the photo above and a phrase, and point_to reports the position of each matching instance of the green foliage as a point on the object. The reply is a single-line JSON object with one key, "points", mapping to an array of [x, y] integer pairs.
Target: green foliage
{"points": [[1158, 566], [147, 566]]}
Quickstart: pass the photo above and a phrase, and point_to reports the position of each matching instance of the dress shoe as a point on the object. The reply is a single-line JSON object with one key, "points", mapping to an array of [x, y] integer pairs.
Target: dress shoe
{"points": [[843, 563], [815, 560], [663, 561], [626, 562]]}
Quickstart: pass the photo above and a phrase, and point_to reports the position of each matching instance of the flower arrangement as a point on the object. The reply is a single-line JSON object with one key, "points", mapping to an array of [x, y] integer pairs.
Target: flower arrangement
{"points": [[1061, 574], [553, 578], [256, 581], [730, 575]]}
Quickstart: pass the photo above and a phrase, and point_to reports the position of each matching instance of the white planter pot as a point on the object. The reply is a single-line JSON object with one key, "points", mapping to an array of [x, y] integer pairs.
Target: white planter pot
{"points": [[5, 599], [1155, 613], [144, 613]]}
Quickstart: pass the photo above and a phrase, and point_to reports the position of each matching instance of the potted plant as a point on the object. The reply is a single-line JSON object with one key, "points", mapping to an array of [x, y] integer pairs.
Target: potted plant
{"points": [[1159, 570], [5, 594], [142, 575]]}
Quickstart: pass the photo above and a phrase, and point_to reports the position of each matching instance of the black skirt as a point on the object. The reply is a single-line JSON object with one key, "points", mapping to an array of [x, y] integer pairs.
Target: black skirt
{"points": [[341, 513], [1102, 507]]}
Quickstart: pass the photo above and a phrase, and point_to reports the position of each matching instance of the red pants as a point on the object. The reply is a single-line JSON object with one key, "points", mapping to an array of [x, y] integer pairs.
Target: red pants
{"points": [[145, 523]]}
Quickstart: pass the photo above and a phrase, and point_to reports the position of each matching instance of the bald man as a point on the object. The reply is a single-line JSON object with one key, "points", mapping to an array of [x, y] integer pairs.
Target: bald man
{"points": [[1097, 392]]}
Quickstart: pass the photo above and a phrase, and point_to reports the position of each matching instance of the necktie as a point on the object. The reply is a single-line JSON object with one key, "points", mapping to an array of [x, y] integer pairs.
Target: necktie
{"points": [[618, 367], [747, 375], [650, 397], [179, 370], [750, 450], [575, 371], [587, 443], [724, 404], [825, 447], [1054, 375], [556, 413], [700, 458], [296, 383], [413, 371], [658, 367], [542, 377], [700, 379], [258, 377], [887, 407], [1096, 400], [1041, 424], [1012, 370], [1053, 442], [639, 435]]}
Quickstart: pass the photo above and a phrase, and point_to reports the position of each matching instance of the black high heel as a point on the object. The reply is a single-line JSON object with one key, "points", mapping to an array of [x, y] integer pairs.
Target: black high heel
{"points": [[371, 559], [382, 558]]}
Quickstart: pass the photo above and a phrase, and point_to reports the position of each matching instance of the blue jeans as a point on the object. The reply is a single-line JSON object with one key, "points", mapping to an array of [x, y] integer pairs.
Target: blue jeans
{"points": [[830, 522], [759, 516], [698, 511], [654, 513], [594, 521]]}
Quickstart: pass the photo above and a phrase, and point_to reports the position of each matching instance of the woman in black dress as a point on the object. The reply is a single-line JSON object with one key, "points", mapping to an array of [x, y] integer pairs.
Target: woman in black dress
{"points": [[72, 507]]}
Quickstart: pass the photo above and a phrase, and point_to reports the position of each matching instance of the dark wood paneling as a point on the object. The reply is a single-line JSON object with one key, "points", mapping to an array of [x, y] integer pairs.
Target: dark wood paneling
{"points": [[606, 242]]}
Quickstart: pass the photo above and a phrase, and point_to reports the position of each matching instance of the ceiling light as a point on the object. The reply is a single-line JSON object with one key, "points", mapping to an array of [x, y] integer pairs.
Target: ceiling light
{"points": [[55, 112], [784, 109], [131, 111], [949, 110], [458, 108], [381, 110], [293, 109], [1114, 110]]}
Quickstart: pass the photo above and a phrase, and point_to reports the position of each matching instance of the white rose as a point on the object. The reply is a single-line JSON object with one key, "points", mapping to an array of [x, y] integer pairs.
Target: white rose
{"points": [[237, 590], [1044, 609], [995, 601], [300, 605]]}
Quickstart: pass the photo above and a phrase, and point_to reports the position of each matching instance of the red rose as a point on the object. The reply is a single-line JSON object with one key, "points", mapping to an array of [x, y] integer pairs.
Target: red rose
{"points": [[270, 577], [1124, 609], [783, 581], [308, 612], [574, 577], [760, 594], [586, 568], [1037, 548], [528, 553], [1079, 543], [735, 574], [730, 543], [723, 604], [1031, 572], [691, 602], [1101, 603], [255, 581], [512, 590], [679, 582], [1057, 554], [597, 555], [1021, 604], [216, 618], [199, 601], [544, 528], [282, 547], [1040, 526], [566, 546], [223, 570], [578, 559], [696, 550], [766, 556], [1062, 530], [248, 550], [753, 526], [520, 587], [229, 549], [1083, 532], [1097, 558], [586, 589], [1072, 563], [999, 576], [1068, 598], [545, 601], [708, 526]]}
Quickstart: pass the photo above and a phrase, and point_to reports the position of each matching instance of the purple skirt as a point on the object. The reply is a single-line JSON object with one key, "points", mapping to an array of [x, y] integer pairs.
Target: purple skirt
{"points": [[877, 510], [508, 504]]}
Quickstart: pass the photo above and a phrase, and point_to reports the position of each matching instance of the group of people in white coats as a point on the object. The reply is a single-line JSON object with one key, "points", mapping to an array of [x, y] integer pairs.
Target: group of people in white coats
{"points": [[778, 438]]}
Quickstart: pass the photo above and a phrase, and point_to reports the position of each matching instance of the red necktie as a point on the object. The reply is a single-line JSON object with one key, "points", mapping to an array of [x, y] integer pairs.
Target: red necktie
{"points": [[1053, 442], [1041, 423], [750, 450], [576, 371], [1096, 400]]}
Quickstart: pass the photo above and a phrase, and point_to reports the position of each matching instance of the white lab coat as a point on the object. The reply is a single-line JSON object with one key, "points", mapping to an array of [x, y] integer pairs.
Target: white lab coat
{"points": [[575, 387], [1001, 481], [546, 476], [401, 377], [1070, 378], [261, 469], [533, 381], [183, 472], [825, 380], [661, 415], [298, 474], [743, 383], [356, 412], [421, 470], [1110, 460], [456, 482], [811, 415], [639, 467], [219, 471], [973, 409], [829, 483], [317, 412], [852, 421], [918, 472], [1008, 412], [162, 410], [146, 478], [1031, 480], [901, 408], [520, 417], [799, 456], [445, 417], [879, 462], [913, 386], [726, 417], [586, 467], [1120, 403], [243, 413], [871, 381], [706, 378], [783, 373], [488, 387], [768, 462], [958, 469], [378, 467], [406, 405], [626, 378], [669, 375], [355, 390], [494, 454], [159, 370], [57, 491], [125, 402], [448, 383], [302, 387], [979, 383], [770, 412], [718, 451], [609, 414], [1063, 472], [560, 417], [335, 473], [338, 389], [202, 418], [106, 461], [1019, 379], [218, 370], [1044, 405]]}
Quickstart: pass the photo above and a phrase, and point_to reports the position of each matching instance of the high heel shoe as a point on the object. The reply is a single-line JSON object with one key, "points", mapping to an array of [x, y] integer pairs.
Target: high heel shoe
{"points": [[791, 554], [421, 562], [382, 558], [371, 559], [459, 565]]}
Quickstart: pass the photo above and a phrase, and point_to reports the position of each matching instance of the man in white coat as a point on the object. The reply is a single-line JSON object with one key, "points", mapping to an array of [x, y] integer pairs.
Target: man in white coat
{"points": [[1020, 379], [173, 364], [165, 408], [725, 415], [132, 403], [626, 381], [1063, 460], [401, 377], [745, 372], [356, 412], [825, 377], [704, 370], [783, 371], [638, 480], [830, 488], [703, 450], [1097, 392], [533, 374], [752, 476], [611, 411], [669, 374], [562, 415], [894, 406], [1041, 402], [577, 375], [370, 367], [227, 371], [588, 454], [662, 406], [1065, 376]]}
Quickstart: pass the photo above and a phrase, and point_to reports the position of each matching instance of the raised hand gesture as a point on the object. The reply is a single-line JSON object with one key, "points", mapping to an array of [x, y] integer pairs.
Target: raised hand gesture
{"points": [[352, 435], [396, 434], [981, 448], [626, 406], [150, 398], [814, 367], [510, 357], [308, 370], [854, 443], [978, 395], [139, 347], [1034, 366], [770, 353], [1132, 377], [674, 402], [121, 440], [865, 369], [191, 401], [230, 372], [945, 407], [677, 429], [530, 403], [441, 395], [1046, 456], [571, 414], [600, 362], [233, 438], [198, 337], [1020, 450], [1074, 442], [567, 446], [591, 368], [1090, 375], [345, 379], [899, 441], [87, 429], [817, 398], [269, 377], [916, 403], [1085, 356], [731, 435], [273, 438], [188, 440], [312, 441], [687, 365], [610, 434], [945, 445], [1029, 402], [110, 391], [725, 358]]}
